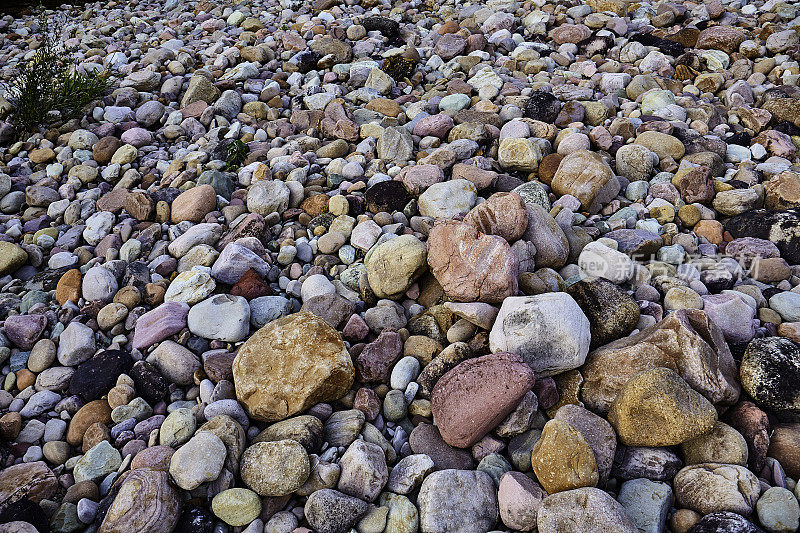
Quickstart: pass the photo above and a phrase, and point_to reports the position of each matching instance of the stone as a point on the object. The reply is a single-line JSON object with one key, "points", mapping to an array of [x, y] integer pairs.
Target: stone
{"points": [[658, 408], [722, 445], [711, 487], [471, 266], [462, 501], [769, 371], [549, 331], [550, 241], [724, 521], [598, 260], [33, 481], [330, 511], [222, 317], [175, 362], [686, 341], [778, 510], [586, 176], [519, 499], [646, 503], [502, 214], [156, 325], [190, 287], [612, 312], [426, 439], [309, 363], [12, 257], [99, 284], [200, 89], [447, 199], [237, 506], [474, 397], [634, 162], [519, 154], [145, 501], [193, 205], [783, 446], [597, 432], [98, 462], [395, 265], [198, 461], [662, 144], [562, 459], [725, 38], [275, 468], [364, 470], [76, 344], [408, 473], [268, 196], [583, 509]]}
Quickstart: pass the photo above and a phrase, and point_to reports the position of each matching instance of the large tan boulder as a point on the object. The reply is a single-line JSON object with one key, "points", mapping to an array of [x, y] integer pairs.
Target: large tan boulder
{"points": [[289, 365], [687, 341]]}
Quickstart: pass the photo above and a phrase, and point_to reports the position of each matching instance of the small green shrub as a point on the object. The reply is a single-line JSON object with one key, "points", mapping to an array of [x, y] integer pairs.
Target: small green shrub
{"points": [[48, 89], [237, 153]]}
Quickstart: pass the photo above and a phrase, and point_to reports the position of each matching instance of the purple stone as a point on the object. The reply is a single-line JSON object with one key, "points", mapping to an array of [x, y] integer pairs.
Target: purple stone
{"points": [[156, 325], [24, 330], [146, 426]]}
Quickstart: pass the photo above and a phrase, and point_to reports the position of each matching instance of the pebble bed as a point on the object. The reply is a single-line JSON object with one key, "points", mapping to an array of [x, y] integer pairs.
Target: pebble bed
{"points": [[484, 266]]}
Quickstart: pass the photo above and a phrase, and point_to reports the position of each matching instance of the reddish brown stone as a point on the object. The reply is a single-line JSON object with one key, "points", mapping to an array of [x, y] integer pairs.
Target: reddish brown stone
{"points": [[784, 446], [375, 362], [92, 412], [548, 167], [104, 149], [753, 424], [474, 397], [113, 200], [139, 205], [502, 214], [697, 186], [69, 287], [194, 204], [251, 285]]}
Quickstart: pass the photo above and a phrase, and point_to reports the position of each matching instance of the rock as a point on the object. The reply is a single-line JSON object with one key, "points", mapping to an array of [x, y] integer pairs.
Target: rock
{"points": [[275, 468], [177, 363], [587, 177], [778, 510], [408, 473], [471, 266], [364, 470], [394, 265], [711, 487], [769, 371], [519, 499], [235, 261], [190, 287], [502, 214], [725, 38], [426, 439], [24, 330], [612, 313], [447, 199], [145, 501], [194, 204], [33, 481], [95, 377], [268, 196], [722, 445], [658, 408], [646, 503], [198, 461], [724, 521], [783, 447], [200, 89], [420, 177], [583, 509], [549, 331], [460, 501], [686, 341], [98, 462], [156, 325], [99, 284], [519, 154], [774, 226], [558, 470], [237, 506], [223, 317], [552, 245], [12, 257], [76, 344], [330, 511], [597, 432], [634, 162], [467, 402], [598, 260], [309, 365]]}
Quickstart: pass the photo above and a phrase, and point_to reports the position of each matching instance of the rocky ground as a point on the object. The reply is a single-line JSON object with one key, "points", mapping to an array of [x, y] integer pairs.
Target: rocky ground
{"points": [[491, 266]]}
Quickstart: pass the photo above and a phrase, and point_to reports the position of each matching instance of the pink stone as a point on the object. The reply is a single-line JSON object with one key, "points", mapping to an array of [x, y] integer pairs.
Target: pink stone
{"points": [[155, 326]]}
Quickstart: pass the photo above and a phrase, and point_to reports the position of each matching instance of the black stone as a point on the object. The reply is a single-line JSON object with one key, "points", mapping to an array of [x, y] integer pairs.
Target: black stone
{"points": [[389, 28], [25, 510], [389, 196], [195, 520], [150, 384], [742, 139], [655, 464], [136, 274], [95, 377], [542, 106], [612, 312], [307, 61], [670, 48], [787, 127], [716, 280], [770, 372], [596, 44], [724, 522], [168, 195], [778, 226]]}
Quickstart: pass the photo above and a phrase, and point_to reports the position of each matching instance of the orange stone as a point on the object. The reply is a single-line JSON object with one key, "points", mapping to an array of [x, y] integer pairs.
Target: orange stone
{"points": [[710, 229], [69, 287], [790, 330], [91, 413]]}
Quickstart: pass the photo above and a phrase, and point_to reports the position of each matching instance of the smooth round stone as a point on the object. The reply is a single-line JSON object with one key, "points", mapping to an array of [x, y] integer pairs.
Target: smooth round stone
{"points": [[454, 102], [778, 510], [275, 468], [404, 372], [237, 506]]}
